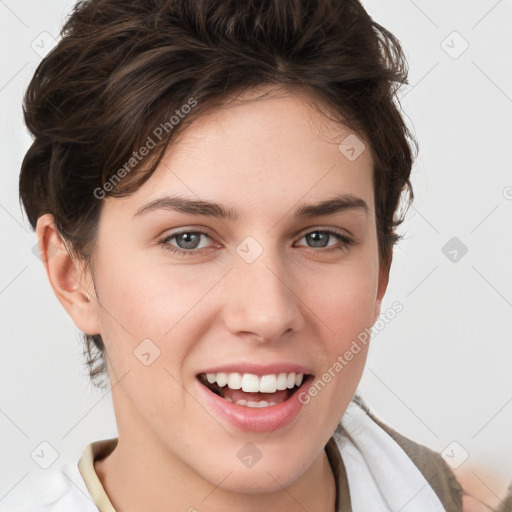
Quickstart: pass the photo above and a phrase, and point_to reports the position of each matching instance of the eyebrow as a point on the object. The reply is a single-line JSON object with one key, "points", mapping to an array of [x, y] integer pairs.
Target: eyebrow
{"points": [[338, 204]]}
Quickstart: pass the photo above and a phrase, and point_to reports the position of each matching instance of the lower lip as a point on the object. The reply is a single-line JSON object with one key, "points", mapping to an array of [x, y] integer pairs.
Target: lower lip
{"points": [[257, 419]]}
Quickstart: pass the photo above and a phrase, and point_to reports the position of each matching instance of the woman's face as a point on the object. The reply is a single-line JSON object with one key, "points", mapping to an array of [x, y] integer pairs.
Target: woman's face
{"points": [[261, 291]]}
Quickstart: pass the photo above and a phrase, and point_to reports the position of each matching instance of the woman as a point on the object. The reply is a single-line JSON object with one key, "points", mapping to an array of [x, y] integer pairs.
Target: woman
{"points": [[215, 187]]}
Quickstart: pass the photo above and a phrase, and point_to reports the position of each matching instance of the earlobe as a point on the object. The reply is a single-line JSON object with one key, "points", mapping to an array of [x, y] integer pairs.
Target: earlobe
{"points": [[71, 285], [376, 311], [383, 284]]}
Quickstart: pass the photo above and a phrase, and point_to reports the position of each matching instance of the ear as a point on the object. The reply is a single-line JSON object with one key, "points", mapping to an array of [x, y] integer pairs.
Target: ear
{"points": [[381, 290], [71, 285]]}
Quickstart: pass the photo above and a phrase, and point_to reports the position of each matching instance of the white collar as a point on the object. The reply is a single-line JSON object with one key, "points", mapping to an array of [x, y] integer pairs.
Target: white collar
{"points": [[381, 477]]}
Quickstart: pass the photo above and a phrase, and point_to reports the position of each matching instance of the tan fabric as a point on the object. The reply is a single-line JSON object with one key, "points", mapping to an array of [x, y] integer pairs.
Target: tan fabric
{"points": [[95, 451], [342, 503]]}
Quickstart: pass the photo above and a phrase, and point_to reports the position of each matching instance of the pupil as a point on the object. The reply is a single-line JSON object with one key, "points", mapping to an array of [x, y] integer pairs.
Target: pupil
{"points": [[187, 237], [317, 236]]}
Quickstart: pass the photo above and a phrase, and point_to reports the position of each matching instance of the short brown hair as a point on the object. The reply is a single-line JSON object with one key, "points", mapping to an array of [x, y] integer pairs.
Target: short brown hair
{"points": [[123, 68]]}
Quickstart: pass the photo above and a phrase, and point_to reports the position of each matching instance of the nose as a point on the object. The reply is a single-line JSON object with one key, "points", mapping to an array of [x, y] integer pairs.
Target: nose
{"points": [[260, 301]]}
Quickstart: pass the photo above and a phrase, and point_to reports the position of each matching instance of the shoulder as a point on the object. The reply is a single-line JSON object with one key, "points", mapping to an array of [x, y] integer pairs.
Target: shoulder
{"points": [[59, 490], [430, 463]]}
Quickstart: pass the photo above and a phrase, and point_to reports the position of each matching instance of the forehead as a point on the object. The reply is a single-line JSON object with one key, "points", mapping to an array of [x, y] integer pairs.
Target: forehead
{"points": [[261, 152]]}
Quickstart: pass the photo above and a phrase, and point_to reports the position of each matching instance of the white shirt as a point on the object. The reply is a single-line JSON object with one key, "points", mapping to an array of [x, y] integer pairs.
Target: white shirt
{"points": [[74, 487]]}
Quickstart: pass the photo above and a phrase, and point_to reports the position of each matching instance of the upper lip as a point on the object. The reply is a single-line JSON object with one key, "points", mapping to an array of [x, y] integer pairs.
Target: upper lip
{"points": [[259, 369]]}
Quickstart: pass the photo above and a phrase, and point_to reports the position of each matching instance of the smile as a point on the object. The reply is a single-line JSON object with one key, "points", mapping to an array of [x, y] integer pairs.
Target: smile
{"points": [[250, 390]]}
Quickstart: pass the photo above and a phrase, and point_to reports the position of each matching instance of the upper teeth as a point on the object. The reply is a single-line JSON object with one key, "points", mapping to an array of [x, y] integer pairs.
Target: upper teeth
{"points": [[252, 383]]}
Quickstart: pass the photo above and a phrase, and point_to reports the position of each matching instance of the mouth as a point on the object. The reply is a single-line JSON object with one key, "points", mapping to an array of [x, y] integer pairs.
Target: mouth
{"points": [[250, 390]]}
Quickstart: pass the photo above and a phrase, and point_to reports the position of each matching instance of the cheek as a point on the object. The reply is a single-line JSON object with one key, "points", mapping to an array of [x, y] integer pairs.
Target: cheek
{"points": [[149, 302], [145, 296], [148, 323], [343, 304], [344, 313], [344, 299]]}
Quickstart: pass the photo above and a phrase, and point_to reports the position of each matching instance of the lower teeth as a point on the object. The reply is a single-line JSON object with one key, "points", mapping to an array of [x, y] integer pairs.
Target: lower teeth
{"points": [[262, 403]]}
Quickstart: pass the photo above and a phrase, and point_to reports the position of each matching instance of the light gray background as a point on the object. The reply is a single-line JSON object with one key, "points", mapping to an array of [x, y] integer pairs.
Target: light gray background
{"points": [[440, 372]]}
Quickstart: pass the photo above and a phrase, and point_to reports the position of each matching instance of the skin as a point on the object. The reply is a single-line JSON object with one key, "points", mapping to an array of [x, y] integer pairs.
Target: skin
{"points": [[294, 303]]}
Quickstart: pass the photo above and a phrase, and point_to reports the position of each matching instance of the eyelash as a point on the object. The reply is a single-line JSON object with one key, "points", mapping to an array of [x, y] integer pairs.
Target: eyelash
{"points": [[346, 242]]}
